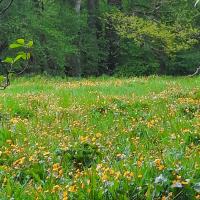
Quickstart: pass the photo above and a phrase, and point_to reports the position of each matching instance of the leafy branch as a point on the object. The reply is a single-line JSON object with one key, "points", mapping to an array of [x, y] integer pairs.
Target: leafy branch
{"points": [[24, 55]]}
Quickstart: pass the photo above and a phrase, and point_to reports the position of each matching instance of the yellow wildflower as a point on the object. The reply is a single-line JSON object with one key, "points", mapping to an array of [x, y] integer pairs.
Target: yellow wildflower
{"points": [[72, 188], [65, 195], [140, 176], [19, 162], [56, 188]]}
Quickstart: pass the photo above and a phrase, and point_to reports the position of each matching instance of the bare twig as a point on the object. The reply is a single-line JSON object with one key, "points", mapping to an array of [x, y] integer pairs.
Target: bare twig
{"points": [[196, 72], [6, 82], [7, 7]]}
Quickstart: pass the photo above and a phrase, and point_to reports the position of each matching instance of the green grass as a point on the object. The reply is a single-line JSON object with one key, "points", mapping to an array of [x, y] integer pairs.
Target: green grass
{"points": [[104, 138]]}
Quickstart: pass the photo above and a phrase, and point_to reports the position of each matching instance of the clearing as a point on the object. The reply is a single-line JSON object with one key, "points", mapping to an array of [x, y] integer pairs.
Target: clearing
{"points": [[103, 138]]}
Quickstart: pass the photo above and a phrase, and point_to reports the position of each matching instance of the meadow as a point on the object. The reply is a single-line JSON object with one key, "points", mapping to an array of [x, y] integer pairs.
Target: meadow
{"points": [[100, 139]]}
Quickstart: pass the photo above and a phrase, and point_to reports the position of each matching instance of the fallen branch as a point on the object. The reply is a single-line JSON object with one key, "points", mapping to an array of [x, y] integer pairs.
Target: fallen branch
{"points": [[196, 72]]}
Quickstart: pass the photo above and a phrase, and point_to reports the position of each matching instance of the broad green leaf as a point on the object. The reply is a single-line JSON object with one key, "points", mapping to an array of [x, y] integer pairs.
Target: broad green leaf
{"points": [[21, 53], [21, 41], [8, 60], [14, 45], [30, 44], [28, 56], [18, 57], [24, 57]]}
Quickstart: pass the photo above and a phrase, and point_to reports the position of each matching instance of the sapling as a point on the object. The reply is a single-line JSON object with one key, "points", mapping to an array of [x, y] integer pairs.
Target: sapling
{"points": [[9, 63]]}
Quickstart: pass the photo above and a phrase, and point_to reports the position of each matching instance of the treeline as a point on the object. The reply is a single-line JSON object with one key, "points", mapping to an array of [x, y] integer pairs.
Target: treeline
{"points": [[95, 37]]}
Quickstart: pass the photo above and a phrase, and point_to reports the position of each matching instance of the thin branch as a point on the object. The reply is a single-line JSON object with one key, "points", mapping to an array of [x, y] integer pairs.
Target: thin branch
{"points": [[21, 72], [195, 73], [6, 8], [6, 82]]}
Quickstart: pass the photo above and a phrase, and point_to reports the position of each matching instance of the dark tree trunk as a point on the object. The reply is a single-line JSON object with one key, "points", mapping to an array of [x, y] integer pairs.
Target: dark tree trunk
{"points": [[93, 47], [162, 69], [3, 45], [113, 40], [73, 61], [92, 11], [117, 3], [76, 60]]}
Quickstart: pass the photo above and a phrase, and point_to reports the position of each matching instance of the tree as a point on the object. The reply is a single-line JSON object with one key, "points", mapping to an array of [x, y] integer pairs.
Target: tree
{"points": [[89, 37], [112, 37], [91, 46], [74, 67], [163, 40]]}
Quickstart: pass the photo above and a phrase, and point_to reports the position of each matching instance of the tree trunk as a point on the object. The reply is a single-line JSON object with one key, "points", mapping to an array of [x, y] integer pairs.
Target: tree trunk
{"points": [[78, 6], [92, 10], [113, 40], [117, 3], [76, 59], [92, 57], [73, 62]]}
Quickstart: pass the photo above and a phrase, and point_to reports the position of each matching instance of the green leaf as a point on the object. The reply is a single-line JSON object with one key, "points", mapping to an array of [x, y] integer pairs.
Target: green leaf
{"points": [[30, 43], [24, 57], [18, 57], [1, 78], [14, 46], [20, 52], [28, 56], [21, 41], [8, 60]]}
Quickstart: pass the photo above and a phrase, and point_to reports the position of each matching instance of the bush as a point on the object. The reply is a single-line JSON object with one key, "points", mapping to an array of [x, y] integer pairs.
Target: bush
{"points": [[137, 70]]}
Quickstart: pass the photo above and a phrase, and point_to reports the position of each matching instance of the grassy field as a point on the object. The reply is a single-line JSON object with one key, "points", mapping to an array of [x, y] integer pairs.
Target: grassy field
{"points": [[101, 139]]}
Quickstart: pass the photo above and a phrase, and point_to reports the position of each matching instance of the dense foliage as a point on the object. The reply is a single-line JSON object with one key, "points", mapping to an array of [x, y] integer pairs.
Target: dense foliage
{"points": [[93, 37]]}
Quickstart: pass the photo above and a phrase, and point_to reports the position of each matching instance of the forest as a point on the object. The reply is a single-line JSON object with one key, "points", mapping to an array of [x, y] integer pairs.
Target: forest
{"points": [[97, 37]]}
